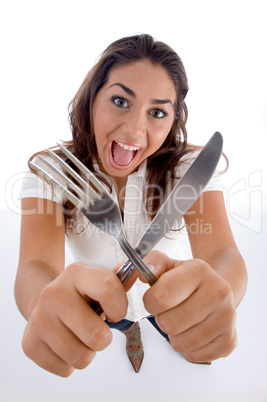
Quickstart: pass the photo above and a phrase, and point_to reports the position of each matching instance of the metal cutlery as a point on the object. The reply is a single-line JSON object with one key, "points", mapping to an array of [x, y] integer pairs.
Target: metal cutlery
{"points": [[95, 202]]}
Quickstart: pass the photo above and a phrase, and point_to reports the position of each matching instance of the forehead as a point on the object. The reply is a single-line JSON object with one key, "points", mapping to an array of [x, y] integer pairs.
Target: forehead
{"points": [[143, 75]]}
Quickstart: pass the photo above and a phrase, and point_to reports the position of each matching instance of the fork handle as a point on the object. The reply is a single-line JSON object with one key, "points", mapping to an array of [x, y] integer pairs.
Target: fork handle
{"points": [[125, 271], [138, 263]]}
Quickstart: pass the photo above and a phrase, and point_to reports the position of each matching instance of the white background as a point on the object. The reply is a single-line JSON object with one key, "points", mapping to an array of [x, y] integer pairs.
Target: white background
{"points": [[47, 47]]}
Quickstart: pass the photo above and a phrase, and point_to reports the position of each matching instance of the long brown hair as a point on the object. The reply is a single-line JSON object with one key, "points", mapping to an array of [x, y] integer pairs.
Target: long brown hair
{"points": [[161, 165]]}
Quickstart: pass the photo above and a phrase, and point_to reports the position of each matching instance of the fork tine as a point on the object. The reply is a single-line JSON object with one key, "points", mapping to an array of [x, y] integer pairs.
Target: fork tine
{"points": [[71, 197], [72, 185], [75, 175], [83, 169]]}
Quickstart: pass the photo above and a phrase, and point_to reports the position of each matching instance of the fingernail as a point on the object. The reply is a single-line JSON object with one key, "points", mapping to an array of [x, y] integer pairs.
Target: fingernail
{"points": [[152, 267], [207, 363]]}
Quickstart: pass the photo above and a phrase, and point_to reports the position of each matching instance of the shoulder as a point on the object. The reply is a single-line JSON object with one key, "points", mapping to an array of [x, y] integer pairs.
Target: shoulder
{"points": [[37, 186], [215, 183], [188, 157]]}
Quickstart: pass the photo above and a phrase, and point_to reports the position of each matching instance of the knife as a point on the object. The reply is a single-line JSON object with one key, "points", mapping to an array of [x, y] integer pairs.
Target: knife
{"points": [[182, 197]]}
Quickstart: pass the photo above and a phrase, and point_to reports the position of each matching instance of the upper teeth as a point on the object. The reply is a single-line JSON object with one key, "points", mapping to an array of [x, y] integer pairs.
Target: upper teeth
{"points": [[128, 147]]}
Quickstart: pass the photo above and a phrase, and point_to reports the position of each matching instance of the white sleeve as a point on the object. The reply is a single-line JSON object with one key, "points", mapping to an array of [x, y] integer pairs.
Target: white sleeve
{"points": [[34, 186]]}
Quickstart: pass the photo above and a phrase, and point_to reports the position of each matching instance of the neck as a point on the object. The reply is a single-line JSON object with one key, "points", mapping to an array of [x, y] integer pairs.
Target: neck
{"points": [[120, 186]]}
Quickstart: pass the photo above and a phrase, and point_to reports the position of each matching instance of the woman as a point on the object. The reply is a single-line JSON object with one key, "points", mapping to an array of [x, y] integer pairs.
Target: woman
{"points": [[128, 124]]}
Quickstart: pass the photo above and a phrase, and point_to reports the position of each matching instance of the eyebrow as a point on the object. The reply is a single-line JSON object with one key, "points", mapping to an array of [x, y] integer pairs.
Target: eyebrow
{"points": [[126, 89], [161, 101], [133, 94]]}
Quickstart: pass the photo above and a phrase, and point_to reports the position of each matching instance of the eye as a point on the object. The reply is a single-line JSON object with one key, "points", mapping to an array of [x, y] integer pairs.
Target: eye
{"points": [[119, 101], [158, 113]]}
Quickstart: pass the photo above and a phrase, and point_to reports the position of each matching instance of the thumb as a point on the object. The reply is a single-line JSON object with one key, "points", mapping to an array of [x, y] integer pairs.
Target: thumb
{"points": [[160, 263]]}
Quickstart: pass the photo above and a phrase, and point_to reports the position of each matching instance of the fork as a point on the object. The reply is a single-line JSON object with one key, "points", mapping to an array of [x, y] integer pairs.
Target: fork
{"points": [[95, 202]]}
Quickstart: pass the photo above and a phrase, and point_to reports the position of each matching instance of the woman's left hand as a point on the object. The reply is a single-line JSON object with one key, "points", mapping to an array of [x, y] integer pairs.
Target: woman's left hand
{"points": [[193, 305]]}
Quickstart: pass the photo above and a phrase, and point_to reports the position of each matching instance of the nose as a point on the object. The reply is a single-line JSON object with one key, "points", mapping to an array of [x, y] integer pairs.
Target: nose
{"points": [[135, 124]]}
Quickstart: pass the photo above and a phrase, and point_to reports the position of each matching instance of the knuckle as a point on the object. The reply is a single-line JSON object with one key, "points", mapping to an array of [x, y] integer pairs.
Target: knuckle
{"points": [[66, 372], [119, 314], [230, 317], [48, 295], [178, 343], [234, 341], [26, 346], [166, 324], [84, 360], [188, 343], [230, 343], [200, 356], [202, 266], [37, 323], [224, 292], [162, 299], [191, 357], [73, 267], [227, 319], [100, 338], [73, 272], [110, 284], [33, 350]]}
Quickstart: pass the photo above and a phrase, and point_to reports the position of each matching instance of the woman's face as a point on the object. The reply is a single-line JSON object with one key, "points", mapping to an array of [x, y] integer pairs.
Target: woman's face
{"points": [[132, 116]]}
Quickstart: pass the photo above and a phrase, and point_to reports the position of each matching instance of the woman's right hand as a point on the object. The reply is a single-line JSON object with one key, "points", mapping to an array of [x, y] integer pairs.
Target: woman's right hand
{"points": [[63, 332]]}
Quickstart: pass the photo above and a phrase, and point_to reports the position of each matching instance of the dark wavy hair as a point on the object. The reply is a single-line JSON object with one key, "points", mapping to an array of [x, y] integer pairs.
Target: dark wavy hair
{"points": [[161, 165]]}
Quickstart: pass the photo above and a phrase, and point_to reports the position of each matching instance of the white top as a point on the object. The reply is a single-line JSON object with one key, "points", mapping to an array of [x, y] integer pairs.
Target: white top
{"points": [[90, 245]]}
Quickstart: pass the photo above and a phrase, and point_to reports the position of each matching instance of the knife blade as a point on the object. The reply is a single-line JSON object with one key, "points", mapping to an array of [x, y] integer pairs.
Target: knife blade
{"points": [[182, 197]]}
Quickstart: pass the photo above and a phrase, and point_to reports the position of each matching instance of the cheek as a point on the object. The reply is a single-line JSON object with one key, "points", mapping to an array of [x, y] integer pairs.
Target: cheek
{"points": [[103, 124], [159, 137], [99, 118]]}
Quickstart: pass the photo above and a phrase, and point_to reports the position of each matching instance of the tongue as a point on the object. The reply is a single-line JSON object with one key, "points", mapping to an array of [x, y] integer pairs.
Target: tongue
{"points": [[121, 156]]}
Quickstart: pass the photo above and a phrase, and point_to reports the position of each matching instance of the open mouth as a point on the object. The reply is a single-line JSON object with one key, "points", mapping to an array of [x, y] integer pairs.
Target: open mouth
{"points": [[122, 154]]}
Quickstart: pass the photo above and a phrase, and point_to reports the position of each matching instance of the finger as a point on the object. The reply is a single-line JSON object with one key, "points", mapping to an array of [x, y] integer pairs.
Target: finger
{"points": [[174, 287], [43, 356], [187, 314], [201, 334], [70, 349], [47, 329], [131, 280], [82, 320], [220, 347], [195, 309], [102, 285], [75, 313], [64, 343], [212, 298], [218, 328], [159, 262]]}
